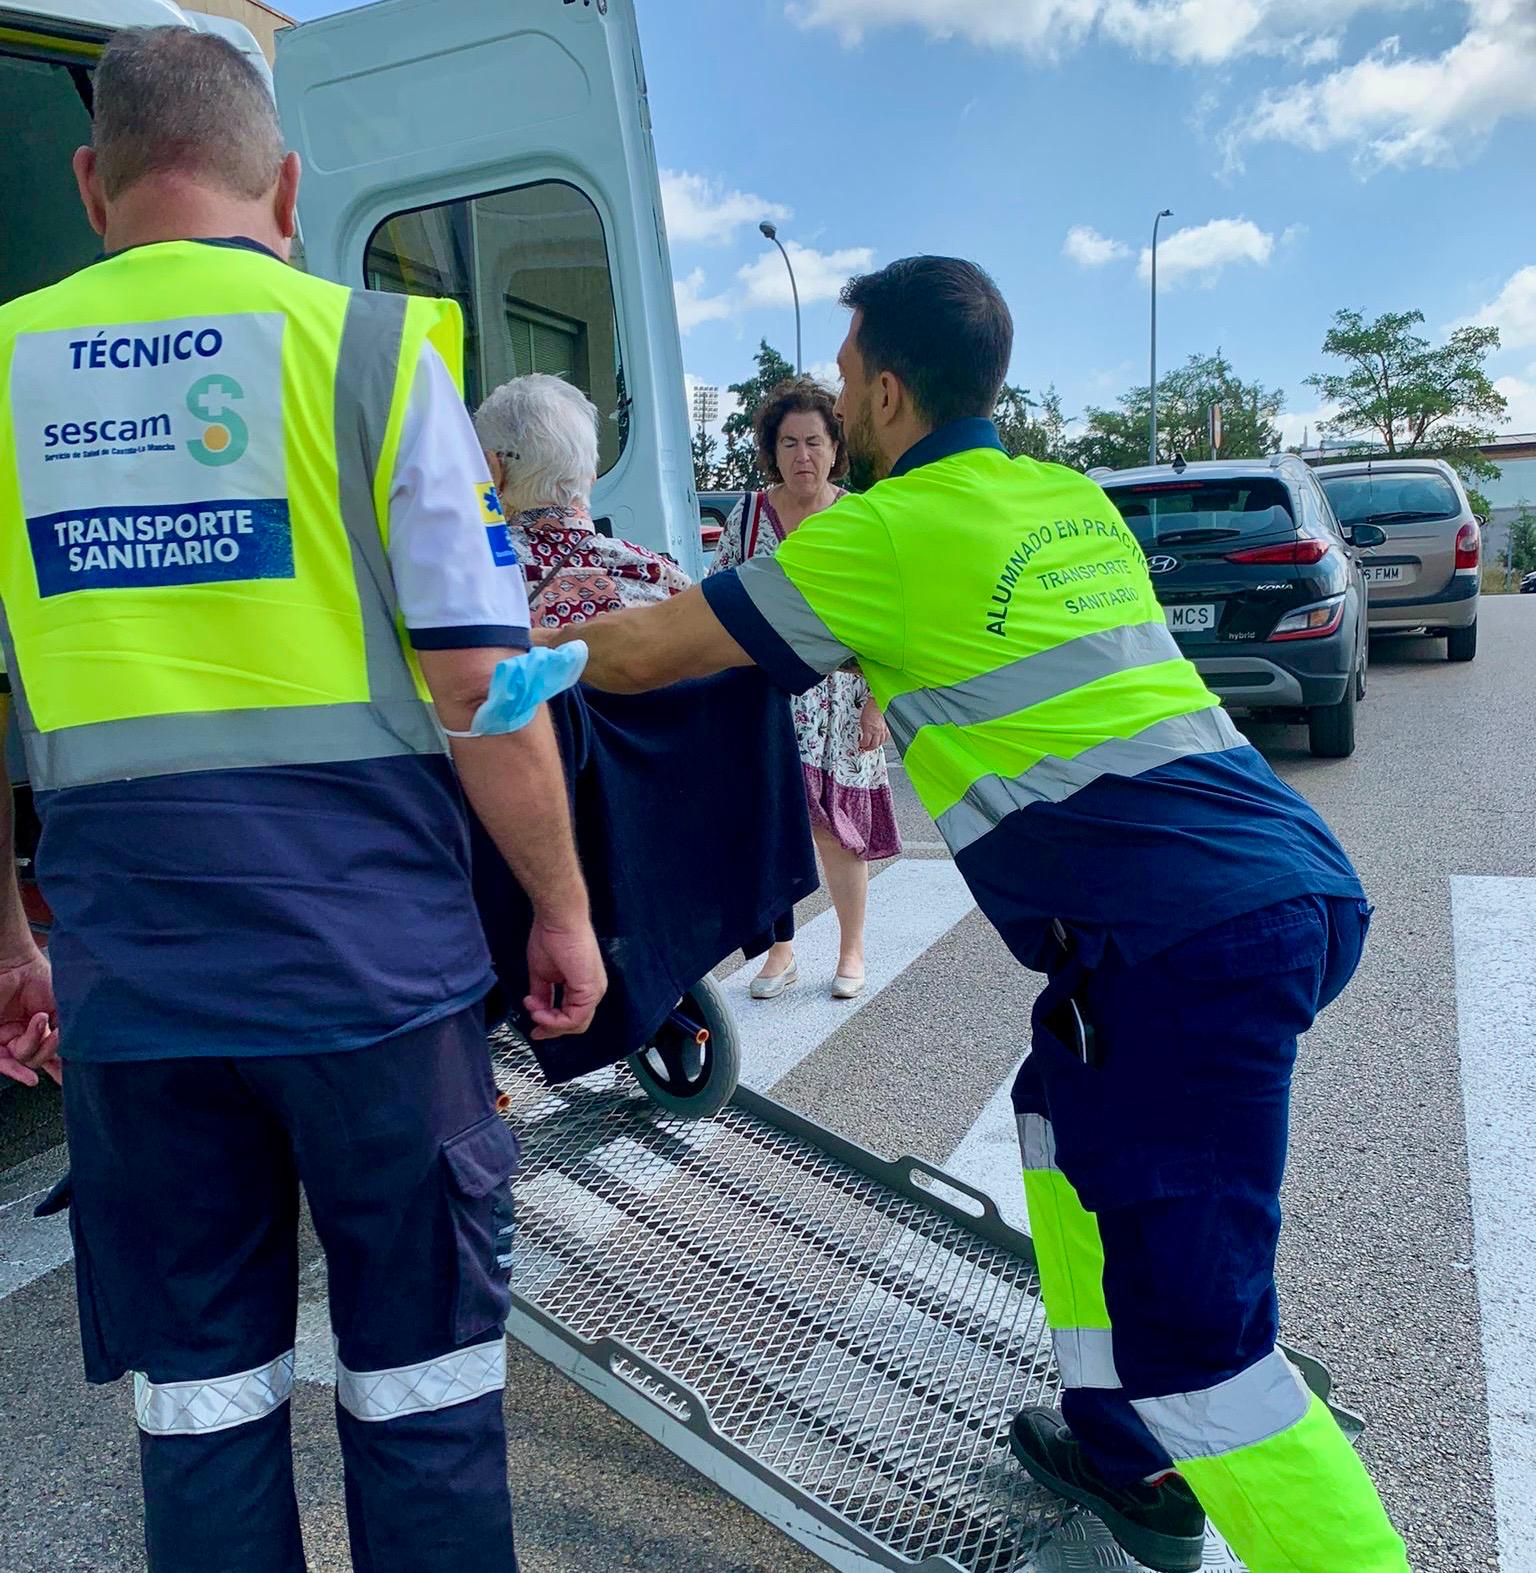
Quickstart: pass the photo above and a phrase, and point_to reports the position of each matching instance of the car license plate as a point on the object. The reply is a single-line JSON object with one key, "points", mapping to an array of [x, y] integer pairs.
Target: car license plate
{"points": [[1191, 619], [1385, 574]]}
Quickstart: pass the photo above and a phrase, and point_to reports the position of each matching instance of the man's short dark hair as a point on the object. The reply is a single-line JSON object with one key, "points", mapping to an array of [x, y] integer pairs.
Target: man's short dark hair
{"points": [[940, 326], [169, 100]]}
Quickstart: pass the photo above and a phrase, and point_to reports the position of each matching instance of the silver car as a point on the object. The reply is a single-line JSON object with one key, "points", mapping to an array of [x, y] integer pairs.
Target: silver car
{"points": [[1427, 577]]}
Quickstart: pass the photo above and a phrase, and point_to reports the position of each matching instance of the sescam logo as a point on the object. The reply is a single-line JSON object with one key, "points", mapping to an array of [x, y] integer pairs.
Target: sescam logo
{"points": [[223, 438], [226, 436]]}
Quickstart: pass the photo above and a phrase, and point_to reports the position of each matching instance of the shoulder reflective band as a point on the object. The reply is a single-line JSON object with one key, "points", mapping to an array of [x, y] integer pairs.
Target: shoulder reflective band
{"points": [[431, 1384], [785, 609], [217, 1404]]}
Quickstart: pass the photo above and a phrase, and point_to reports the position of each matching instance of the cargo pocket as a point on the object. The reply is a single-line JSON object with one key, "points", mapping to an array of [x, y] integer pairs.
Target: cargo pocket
{"points": [[478, 1165], [102, 1363]]}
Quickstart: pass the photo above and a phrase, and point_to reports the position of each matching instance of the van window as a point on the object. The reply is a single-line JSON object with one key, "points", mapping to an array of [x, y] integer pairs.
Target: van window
{"points": [[529, 268], [46, 117], [1391, 497]]}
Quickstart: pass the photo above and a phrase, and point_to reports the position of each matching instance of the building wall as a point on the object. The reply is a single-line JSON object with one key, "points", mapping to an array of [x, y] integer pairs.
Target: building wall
{"points": [[263, 22]]}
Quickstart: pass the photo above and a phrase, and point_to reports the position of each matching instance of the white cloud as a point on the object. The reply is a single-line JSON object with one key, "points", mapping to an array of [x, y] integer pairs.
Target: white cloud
{"points": [[1512, 311], [1189, 31], [826, 373], [704, 211], [694, 306], [1299, 426], [1521, 394], [820, 275], [1391, 108], [1202, 252], [1089, 249]]}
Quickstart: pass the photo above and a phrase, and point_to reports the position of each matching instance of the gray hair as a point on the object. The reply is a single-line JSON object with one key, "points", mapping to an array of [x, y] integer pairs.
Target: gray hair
{"points": [[173, 101], [545, 432]]}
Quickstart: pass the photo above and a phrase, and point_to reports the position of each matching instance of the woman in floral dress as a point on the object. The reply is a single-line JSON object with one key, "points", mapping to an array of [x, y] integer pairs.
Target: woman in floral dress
{"points": [[840, 729]]}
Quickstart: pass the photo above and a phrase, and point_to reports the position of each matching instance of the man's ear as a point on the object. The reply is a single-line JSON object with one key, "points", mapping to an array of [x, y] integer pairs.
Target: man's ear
{"points": [[88, 182], [498, 470], [892, 400], [285, 198]]}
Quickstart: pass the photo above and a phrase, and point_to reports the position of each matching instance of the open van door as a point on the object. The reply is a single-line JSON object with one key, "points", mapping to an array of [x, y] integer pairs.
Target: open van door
{"points": [[499, 152]]}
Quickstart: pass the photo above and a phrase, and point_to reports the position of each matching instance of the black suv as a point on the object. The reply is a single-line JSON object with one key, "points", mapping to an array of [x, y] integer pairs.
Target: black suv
{"points": [[1262, 587]]}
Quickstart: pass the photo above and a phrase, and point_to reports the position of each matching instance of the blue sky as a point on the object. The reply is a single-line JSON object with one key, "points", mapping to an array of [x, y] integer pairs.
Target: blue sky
{"points": [[1316, 153]]}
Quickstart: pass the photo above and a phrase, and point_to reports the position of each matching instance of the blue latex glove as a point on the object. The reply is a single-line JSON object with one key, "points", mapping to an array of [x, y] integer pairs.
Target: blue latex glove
{"points": [[521, 683]]}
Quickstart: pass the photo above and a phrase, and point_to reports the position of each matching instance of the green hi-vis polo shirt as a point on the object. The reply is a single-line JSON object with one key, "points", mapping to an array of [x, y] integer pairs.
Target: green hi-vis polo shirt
{"points": [[1073, 760]]}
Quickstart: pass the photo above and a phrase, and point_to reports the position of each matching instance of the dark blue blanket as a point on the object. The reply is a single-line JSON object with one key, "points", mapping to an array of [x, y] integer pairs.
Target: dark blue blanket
{"points": [[690, 816]]}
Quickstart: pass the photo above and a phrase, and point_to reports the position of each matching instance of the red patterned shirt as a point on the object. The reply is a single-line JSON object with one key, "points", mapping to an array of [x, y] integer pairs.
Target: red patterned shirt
{"points": [[574, 574]]}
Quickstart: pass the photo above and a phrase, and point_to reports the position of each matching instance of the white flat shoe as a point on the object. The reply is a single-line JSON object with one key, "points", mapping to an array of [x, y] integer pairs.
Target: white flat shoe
{"points": [[847, 988], [771, 988]]}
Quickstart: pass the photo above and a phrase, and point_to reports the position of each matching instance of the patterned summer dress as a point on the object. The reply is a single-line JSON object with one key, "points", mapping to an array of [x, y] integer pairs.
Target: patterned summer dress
{"points": [[848, 792], [574, 574]]}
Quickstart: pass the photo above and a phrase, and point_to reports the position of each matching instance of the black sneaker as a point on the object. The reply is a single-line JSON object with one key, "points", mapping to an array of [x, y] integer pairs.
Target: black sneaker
{"points": [[1162, 1526]]}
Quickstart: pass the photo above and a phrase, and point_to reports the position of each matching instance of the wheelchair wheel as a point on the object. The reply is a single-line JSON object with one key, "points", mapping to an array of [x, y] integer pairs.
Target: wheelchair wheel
{"points": [[684, 1075]]}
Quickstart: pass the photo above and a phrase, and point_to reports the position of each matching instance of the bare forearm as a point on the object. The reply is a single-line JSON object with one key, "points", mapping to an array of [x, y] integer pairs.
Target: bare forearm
{"points": [[516, 784]]}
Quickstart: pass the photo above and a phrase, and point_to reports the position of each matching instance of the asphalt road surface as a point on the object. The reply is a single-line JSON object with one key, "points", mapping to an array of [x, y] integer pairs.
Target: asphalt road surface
{"points": [[1409, 1243]]}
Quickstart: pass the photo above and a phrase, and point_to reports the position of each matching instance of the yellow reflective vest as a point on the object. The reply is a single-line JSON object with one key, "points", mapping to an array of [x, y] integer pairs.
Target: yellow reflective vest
{"points": [[196, 447]]}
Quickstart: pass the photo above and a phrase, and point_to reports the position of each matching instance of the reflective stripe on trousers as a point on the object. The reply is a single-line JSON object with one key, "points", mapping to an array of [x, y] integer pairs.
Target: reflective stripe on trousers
{"points": [[215, 1404], [196, 1408], [1071, 1262], [429, 1385], [392, 721]]}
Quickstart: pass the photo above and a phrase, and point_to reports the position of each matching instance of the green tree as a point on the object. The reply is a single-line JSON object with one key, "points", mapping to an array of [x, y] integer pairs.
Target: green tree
{"points": [[1118, 437], [738, 468], [706, 467], [1027, 426], [1400, 393], [1522, 539]]}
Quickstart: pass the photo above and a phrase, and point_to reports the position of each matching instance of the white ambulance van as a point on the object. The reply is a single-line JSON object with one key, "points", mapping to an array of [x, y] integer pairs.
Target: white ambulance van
{"points": [[494, 151]]}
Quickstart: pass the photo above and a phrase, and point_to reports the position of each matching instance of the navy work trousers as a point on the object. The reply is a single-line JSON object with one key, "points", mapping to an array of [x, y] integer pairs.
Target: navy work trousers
{"points": [[1173, 1134], [186, 1180]]}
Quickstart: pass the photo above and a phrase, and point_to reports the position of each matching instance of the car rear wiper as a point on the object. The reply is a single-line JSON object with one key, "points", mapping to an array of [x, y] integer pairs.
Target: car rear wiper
{"points": [[1189, 537], [1401, 516]]}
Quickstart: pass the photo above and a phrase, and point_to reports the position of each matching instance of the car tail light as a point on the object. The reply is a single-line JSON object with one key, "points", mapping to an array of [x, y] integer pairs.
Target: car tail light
{"points": [[1303, 551], [1469, 547], [1311, 622]]}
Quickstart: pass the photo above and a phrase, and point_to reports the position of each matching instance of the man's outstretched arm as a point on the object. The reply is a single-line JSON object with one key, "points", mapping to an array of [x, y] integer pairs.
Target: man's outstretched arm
{"points": [[651, 646]]}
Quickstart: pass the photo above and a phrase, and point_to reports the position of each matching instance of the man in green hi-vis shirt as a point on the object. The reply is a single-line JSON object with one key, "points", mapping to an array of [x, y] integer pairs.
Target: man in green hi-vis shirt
{"points": [[1191, 912]]}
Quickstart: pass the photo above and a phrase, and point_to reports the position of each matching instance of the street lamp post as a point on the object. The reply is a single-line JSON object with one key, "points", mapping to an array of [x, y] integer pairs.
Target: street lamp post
{"points": [[1152, 387], [769, 232]]}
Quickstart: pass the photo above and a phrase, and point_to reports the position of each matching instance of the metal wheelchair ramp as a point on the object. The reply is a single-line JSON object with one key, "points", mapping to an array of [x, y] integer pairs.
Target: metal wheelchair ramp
{"points": [[837, 1341]]}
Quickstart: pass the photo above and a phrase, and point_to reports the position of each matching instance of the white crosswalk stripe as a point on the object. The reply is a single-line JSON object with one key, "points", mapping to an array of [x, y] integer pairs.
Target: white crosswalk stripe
{"points": [[912, 905], [1495, 930]]}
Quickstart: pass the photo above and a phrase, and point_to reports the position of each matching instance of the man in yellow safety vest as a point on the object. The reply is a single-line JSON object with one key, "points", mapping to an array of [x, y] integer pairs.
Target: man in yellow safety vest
{"points": [[247, 542]]}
